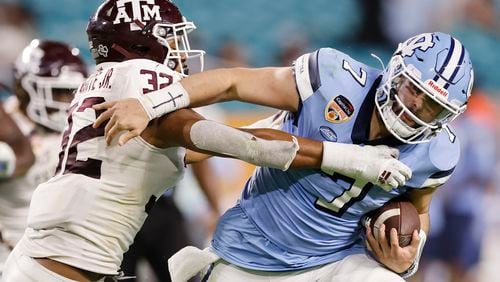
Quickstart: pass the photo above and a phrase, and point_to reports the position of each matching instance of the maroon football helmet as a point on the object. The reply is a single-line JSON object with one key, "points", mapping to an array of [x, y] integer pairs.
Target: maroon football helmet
{"points": [[46, 75], [150, 29]]}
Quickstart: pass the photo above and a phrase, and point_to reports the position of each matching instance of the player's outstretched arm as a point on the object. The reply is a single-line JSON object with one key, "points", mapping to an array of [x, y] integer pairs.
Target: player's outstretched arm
{"points": [[273, 87], [15, 148], [277, 149], [262, 147]]}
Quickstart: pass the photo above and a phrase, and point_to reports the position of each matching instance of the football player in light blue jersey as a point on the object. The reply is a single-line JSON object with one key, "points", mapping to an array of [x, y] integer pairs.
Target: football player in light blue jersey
{"points": [[305, 225]]}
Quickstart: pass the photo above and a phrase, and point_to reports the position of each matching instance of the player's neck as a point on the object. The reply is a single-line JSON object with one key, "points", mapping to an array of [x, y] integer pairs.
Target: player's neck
{"points": [[377, 127]]}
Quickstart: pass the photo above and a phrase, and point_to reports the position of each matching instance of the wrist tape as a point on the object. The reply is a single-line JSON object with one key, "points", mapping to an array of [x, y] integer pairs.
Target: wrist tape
{"points": [[414, 266], [164, 101]]}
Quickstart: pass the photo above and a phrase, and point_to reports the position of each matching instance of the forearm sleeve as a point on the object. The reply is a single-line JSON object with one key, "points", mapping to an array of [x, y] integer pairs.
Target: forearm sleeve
{"points": [[218, 138]]}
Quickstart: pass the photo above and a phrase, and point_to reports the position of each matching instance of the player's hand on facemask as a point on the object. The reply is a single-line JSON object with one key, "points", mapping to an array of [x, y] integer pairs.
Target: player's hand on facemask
{"points": [[387, 250], [375, 164], [127, 114]]}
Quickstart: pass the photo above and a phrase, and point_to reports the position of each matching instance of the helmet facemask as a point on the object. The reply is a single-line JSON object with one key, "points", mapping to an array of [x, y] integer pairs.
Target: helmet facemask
{"points": [[50, 97], [394, 112], [174, 37]]}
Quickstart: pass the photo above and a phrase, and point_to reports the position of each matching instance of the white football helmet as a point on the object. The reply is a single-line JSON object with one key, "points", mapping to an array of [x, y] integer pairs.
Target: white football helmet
{"points": [[439, 66]]}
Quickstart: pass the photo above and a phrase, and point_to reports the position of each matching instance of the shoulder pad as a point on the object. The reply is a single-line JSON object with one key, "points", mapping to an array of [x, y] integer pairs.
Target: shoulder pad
{"points": [[328, 67], [444, 154], [307, 74]]}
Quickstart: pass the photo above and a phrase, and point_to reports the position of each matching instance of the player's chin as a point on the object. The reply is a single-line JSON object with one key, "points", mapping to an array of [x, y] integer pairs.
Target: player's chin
{"points": [[408, 120]]}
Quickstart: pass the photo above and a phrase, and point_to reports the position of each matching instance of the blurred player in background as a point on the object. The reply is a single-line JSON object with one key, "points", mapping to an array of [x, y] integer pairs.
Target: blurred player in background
{"points": [[15, 148], [458, 211], [302, 225], [46, 73], [16, 157], [83, 219]]}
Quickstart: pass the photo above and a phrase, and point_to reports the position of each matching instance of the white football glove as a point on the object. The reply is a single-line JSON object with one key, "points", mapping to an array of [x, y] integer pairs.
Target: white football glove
{"points": [[376, 164]]}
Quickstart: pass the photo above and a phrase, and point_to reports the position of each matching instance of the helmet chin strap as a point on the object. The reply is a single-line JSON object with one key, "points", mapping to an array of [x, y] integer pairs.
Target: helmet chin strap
{"points": [[397, 125]]}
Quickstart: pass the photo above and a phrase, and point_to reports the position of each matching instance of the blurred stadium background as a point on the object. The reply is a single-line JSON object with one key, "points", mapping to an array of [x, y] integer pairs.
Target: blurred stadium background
{"points": [[262, 33]]}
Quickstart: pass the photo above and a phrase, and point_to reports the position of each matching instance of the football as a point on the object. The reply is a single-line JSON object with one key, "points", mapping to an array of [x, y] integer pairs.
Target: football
{"points": [[399, 214]]}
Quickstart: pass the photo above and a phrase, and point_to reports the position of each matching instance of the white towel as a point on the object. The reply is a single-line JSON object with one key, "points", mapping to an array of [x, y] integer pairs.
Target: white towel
{"points": [[187, 262]]}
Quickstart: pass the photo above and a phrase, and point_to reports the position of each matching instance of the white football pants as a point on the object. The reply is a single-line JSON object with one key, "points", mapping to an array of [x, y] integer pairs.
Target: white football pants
{"points": [[354, 268]]}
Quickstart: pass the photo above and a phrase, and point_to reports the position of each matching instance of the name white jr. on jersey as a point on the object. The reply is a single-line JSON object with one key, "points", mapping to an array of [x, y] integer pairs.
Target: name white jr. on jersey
{"points": [[88, 214]]}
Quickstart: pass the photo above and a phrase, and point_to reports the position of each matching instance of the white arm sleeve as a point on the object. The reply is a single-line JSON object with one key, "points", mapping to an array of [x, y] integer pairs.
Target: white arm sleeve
{"points": [[215, 137]]}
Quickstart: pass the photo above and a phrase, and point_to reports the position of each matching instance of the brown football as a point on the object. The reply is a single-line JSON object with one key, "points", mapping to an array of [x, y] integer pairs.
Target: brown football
{"points": [[399, 214]]}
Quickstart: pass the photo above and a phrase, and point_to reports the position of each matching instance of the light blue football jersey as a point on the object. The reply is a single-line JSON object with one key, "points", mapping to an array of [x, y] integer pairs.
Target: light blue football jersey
{"points": [[300, 218]]}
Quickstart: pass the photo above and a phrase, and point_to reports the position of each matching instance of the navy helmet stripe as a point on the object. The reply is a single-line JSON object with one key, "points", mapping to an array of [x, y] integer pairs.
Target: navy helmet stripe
{"points": [[457, 67], [451, 66], [448, 58], [456, 57]]}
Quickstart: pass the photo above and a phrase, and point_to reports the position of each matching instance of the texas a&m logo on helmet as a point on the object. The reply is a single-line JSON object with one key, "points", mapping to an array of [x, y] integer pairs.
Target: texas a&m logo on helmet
{"points": [[141, 10], [148, 29]]}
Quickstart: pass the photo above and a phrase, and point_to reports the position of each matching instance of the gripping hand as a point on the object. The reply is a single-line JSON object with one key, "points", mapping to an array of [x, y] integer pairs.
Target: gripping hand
{"points": [[376, 164]]}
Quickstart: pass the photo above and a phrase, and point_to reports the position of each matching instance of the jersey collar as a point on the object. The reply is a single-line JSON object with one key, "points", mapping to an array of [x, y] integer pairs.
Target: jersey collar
{"points": [[105, 65], [361, 130]]}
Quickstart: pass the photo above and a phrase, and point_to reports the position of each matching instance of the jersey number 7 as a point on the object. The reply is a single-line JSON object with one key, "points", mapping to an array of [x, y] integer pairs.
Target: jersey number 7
{"points": [[356, 192]]}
